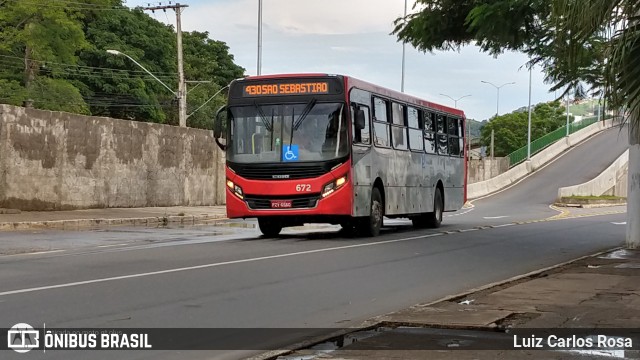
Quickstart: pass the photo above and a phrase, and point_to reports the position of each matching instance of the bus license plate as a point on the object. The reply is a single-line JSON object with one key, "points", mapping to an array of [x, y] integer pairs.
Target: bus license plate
{"points": [[280, 204]]}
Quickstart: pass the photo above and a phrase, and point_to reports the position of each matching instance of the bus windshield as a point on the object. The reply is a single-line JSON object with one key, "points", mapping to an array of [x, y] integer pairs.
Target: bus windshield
{"points": [[288, 132]]}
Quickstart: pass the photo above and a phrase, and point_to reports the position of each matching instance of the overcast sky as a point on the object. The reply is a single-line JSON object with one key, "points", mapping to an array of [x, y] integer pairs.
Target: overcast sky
{"points": [[352, 37]]}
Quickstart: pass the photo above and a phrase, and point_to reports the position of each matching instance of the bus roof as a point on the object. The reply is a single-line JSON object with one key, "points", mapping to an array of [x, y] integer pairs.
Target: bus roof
{"points": [[354, 82]]}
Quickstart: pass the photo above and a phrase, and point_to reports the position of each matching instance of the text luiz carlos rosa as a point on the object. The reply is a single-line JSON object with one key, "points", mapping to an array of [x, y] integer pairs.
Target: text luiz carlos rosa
{"points": [[554, 341]]}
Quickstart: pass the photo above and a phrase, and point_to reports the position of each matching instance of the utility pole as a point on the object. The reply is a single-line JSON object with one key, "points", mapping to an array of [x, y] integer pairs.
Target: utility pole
{"points": [[182, 87], [567, 113], [492, 138]]}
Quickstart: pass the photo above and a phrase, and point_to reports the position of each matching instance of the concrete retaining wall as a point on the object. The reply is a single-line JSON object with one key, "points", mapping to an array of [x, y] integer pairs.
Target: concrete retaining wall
{"points": [[607, 183], [54, 161], [485, 169], [516, 173]]}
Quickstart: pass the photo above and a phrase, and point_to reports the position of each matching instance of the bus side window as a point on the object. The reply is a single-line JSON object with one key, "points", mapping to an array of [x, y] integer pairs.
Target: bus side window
{"points": [[429, 121], [429, 132], [380, 110], [398, 129], [454, 143], [442, 140], [415, 134], [380, 122], [361, 136], [462, 124]]}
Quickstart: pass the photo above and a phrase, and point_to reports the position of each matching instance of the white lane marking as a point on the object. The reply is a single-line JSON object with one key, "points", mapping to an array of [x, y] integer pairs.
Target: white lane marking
{"points": [[462, 213], [619, 223], [105, 246], [34, 253], [205, 266], [503, 225], [495, 217]]}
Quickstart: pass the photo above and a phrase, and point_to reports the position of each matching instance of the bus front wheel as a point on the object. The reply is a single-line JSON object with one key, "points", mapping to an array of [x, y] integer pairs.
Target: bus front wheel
{"points": [[269, 227]]}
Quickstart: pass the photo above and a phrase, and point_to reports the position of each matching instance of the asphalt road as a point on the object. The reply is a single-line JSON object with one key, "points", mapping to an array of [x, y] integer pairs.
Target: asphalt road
{"points": [[530, 199], [228, 276]]}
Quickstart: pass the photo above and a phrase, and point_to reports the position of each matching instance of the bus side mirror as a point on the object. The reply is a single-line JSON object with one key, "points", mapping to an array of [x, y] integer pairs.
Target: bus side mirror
{"points": [[218, 126], [360, 119]]}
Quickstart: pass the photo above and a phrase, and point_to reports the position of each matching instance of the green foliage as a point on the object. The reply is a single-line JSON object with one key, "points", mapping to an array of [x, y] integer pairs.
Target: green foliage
{"points": [[57, 95], [475, 126], [510, 130], [114, 85], [508, 25], [12, 92], [494, 25], [207, 60], [67, 67]]}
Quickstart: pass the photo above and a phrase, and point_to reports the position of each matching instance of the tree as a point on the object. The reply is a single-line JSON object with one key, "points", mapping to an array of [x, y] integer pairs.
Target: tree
{"points": [[622, 83], [33, 33], [510, 130], [506, 25], [67, 66], [113, 85], [207, 60]]}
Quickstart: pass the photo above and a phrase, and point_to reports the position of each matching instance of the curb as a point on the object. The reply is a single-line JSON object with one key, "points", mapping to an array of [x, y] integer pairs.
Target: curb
{"points": [[589, 206], [89, 223]]}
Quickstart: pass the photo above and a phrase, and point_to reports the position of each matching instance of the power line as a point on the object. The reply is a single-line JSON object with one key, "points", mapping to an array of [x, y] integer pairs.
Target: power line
{"points": [[70, 5], [22, 59]]}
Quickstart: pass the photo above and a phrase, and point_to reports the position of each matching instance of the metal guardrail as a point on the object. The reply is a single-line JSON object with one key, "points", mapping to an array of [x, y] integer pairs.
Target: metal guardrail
{"points": [[542, 142]]}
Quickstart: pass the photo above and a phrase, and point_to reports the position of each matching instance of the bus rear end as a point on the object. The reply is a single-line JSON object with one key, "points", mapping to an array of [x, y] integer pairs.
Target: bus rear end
{"points": [[287, 146]]}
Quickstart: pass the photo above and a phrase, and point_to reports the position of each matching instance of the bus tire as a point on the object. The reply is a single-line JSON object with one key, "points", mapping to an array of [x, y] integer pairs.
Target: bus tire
{"points": [[434, 219], [370, 225], [269, 227]]}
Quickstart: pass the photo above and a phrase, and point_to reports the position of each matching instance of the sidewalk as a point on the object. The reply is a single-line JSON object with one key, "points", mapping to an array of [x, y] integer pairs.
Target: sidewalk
{"points": [[75, 219], [600, 291]]}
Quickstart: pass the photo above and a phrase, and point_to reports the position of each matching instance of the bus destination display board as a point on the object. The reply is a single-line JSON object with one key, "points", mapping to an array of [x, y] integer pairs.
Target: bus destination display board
{"points": [[285, 88]]}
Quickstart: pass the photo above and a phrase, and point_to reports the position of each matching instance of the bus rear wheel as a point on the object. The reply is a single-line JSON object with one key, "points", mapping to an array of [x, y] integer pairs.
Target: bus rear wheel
{"points": [[370, 225], [269, 227], [434, 219]]}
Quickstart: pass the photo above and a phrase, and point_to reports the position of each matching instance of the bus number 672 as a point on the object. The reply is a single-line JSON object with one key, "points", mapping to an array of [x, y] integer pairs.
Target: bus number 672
{"points": [[303, 187]]}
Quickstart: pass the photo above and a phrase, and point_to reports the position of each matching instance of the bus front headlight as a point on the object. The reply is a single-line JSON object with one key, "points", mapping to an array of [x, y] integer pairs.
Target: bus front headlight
{"points": [[237, 190], [329, 188]]}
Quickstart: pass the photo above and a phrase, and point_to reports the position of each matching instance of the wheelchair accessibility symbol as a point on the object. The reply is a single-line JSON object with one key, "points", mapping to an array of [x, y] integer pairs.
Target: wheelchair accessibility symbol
{"points": [[290, 153]]}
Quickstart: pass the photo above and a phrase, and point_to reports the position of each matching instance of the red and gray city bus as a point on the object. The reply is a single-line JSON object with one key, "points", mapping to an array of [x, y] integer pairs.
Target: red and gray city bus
{"points": [[320, 148]]}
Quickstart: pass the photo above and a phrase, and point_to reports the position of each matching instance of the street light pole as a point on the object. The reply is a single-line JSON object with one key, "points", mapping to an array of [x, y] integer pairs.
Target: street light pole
{"points": [[455, 101], [403, 52], [529, 123], [116, 52], [259, 65], [497, 88]]}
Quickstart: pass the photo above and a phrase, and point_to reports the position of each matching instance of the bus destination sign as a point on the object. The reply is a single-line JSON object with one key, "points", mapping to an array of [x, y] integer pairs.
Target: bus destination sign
{"points": [[298, 88]]}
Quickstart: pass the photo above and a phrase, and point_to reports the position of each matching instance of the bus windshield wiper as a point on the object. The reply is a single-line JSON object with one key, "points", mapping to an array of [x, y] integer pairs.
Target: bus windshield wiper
{"points": [[305, 112], [293, 116], [263, 117]]}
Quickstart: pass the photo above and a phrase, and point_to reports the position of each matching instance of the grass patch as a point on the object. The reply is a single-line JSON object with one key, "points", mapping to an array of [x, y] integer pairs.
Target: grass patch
{"points": [[601, 197]]}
